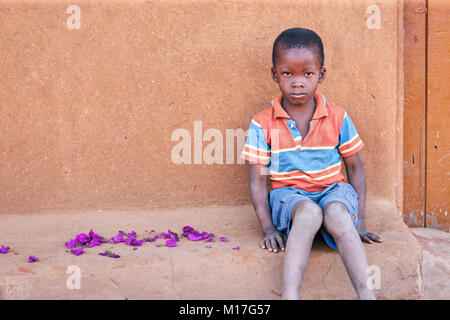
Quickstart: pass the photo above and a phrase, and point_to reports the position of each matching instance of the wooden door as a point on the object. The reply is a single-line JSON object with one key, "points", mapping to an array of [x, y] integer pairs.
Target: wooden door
{"points": [[426, 152]]}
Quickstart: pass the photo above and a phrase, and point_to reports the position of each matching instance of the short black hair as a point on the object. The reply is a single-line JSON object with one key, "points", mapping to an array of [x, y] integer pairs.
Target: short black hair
{"points": [[299, 38]]}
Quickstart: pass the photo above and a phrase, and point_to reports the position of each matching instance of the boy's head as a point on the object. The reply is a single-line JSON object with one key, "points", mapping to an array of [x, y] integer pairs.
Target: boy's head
{"points": [[298, 38], [298, 64]]}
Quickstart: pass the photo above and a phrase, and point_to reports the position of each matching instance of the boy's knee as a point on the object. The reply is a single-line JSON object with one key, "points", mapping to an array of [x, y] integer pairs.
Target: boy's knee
{"points": [[337, 218], [308, 214]]}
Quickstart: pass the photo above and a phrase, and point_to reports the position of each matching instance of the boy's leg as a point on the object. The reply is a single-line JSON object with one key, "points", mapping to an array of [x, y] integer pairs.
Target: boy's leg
{"points": [[306, 217], [338, 223]]}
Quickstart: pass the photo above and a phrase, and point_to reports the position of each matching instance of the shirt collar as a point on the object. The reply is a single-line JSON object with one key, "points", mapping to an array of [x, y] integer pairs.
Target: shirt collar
{"points": [[320, 112]]}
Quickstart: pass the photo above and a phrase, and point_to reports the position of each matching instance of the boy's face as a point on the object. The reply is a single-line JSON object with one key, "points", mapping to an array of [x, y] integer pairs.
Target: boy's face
{"points": [[298, 73]]}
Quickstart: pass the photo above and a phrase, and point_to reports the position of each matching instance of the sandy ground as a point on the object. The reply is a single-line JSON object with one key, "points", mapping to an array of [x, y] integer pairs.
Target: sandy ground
{"points": [[193, 270]]}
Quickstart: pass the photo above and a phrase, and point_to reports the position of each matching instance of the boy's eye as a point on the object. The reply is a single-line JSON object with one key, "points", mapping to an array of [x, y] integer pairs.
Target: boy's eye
{"points": [[286, 73], [309, 74]]}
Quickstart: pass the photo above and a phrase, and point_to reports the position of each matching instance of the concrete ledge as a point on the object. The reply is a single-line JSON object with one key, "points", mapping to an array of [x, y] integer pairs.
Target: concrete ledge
{"points": [[436, 262], [190, 270]]}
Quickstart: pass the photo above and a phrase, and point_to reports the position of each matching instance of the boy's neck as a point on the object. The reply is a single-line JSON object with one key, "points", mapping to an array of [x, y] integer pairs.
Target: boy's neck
{"points": [[304, 108]]}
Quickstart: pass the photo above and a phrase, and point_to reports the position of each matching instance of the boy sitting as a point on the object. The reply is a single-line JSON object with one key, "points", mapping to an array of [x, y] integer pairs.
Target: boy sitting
{"points": [[300, 140]]}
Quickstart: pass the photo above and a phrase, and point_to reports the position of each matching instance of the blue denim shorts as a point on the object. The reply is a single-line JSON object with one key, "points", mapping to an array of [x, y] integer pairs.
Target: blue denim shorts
{"points": [[282, 200]]}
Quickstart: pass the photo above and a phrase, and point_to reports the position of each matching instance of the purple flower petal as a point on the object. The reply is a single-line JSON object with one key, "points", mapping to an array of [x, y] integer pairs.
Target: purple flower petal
{"points": [[173, 236], [109, 254], [32, 259], [223, 239], [158, 245], [94, 243], [78, 251], [171, 243], [237, 248], [208, 247], [4, 250], [95, 236], [137, 243], [71, 244], [188, 229], [117, 239], [194, 237], [82, 238]]}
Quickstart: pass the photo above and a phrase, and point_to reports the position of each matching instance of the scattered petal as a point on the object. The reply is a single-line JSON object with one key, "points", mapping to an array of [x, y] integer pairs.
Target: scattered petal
{"points": [[82, 238], [173, 236], [4, 250], [32, 259], [194, 237], [188, 229], [223, 239], [237, 248], [78, 251], [71, 244], [109, 254], [171, 243]]}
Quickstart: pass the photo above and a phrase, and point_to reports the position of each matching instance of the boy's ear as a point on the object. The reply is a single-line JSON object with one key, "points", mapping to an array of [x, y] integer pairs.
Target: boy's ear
{"points": [[273, 72], [322, 74]]}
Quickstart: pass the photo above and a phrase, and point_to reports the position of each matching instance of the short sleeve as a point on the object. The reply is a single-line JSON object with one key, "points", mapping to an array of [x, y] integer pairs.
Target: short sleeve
{"points": [[256, 149], [349, 139]]}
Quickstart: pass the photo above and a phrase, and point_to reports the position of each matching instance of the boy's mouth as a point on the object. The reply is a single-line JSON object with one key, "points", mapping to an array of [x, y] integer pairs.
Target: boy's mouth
{"points": [[298, 95]]}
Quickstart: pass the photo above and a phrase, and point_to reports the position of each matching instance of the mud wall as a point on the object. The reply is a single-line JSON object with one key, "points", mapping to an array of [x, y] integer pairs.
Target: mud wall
{"points": [[97, 98]]}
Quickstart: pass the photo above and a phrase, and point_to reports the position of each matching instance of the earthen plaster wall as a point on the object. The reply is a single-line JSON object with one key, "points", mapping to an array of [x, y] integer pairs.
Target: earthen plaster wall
{"points": [[87, 116]]}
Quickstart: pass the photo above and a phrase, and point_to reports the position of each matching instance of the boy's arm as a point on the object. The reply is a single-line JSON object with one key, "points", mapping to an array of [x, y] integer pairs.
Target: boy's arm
{"points": [[273, 239], [357, 178]]}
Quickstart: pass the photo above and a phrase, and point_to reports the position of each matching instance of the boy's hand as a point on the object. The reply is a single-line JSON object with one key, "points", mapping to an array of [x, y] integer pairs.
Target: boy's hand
{"points": [[369, 237], [273, 241]]}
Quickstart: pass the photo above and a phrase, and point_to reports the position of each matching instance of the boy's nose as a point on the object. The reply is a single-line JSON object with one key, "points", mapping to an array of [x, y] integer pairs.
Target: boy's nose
{"points": [[297, 84]]}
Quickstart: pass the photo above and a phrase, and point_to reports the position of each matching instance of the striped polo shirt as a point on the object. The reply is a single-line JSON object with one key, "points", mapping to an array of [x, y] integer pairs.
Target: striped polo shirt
{"points": [[312, 163]]}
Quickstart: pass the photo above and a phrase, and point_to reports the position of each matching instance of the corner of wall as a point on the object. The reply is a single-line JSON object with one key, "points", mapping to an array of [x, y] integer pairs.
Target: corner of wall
{"points": [[399, 110]]}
